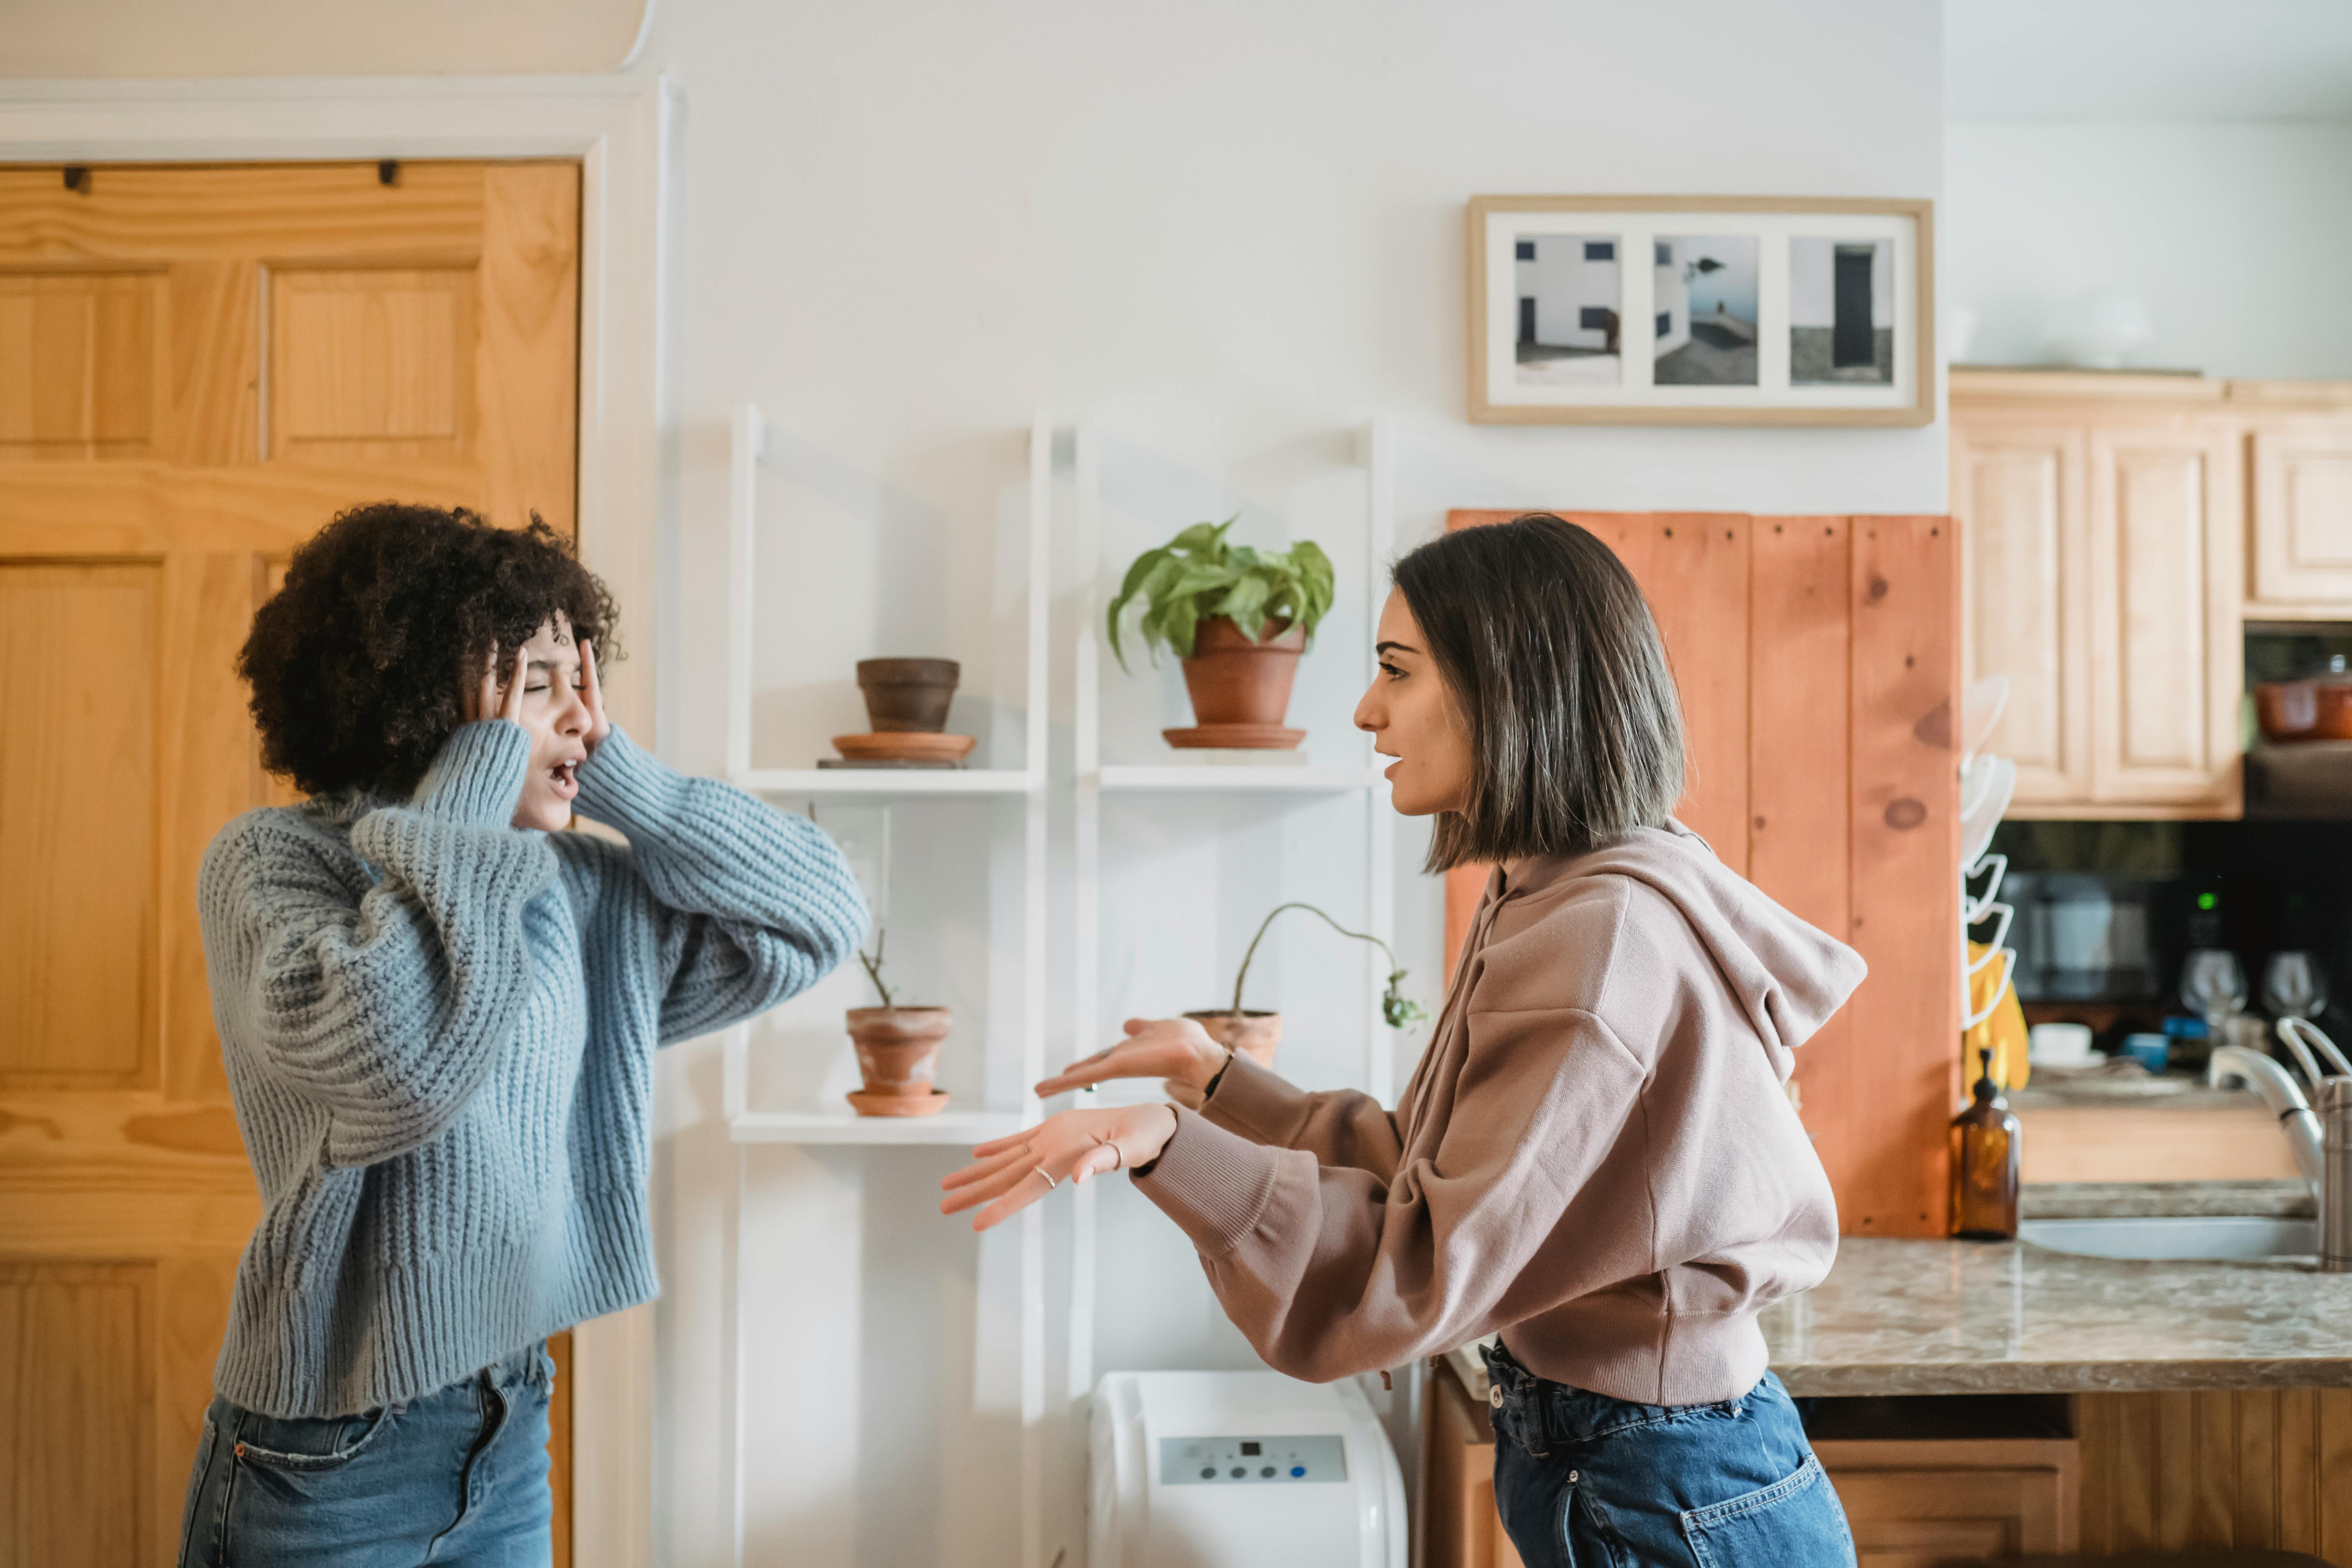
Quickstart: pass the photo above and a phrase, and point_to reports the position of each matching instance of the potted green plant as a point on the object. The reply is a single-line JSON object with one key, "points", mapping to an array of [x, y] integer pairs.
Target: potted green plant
{"points": [[1238, 619], [1259, 1034], [897, 1049]]}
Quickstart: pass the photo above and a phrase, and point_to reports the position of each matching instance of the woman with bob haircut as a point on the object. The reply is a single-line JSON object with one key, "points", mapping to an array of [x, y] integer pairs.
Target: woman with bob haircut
{"points": [[1595, 1157], [438, 1012]]}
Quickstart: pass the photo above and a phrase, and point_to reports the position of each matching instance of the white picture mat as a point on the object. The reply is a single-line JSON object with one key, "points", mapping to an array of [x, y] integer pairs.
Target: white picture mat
{"points": [[1635, 233]]}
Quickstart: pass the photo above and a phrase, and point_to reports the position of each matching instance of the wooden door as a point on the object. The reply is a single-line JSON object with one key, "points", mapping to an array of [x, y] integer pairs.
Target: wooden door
{"points": [[1817, 660], [1923, 1503], [2303, 518], [2020, 495], [198, 367], [2198, 1470], [2167, 665]]}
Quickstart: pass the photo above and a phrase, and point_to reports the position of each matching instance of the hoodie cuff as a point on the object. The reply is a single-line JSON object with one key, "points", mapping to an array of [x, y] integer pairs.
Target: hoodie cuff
{"points": [[624, 786], [1213, 1183], [1255, 1101], [477, 776]]}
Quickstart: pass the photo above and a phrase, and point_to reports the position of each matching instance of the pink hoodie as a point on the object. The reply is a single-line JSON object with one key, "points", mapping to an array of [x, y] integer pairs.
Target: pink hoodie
{"points": [[1595, 1156]]}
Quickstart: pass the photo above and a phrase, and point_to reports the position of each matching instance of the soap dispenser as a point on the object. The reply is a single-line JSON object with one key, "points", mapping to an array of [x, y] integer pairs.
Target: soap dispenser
{"points": [[1985, 1153]]}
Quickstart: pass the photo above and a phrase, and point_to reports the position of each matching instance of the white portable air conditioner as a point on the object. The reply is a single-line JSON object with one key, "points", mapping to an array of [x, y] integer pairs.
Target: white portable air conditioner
{"points": [[1241, 1469]]}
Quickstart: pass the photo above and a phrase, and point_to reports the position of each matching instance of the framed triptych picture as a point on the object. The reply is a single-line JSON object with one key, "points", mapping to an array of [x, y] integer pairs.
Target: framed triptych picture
{"points": [[1701, 311]]}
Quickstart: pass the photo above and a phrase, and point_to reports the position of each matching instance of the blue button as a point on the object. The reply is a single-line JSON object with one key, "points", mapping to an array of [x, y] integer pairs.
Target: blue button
{"points": [[1297, 1469]]}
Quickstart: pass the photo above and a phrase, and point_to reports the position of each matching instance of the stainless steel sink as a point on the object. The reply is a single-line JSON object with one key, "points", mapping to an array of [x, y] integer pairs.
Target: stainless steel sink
{"points": [[2232, 1237]]}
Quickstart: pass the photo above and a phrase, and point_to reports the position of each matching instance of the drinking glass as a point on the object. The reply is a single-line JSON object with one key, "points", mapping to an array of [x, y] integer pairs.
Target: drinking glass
{"points": [[2293, 986], [2213, 986]]}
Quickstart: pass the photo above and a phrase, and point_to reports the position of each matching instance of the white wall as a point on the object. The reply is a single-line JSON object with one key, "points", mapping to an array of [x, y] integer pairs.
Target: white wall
{"points": [[2234, 234], [1229, 232]]}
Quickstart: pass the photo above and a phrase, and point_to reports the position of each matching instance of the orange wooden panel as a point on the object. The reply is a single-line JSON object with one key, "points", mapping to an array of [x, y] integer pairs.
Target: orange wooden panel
{"points": [[1906, 871], [1798, 739]]}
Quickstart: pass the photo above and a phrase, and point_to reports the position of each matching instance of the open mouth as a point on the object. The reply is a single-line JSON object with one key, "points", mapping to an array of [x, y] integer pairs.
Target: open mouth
{"points": [[566, 777]]}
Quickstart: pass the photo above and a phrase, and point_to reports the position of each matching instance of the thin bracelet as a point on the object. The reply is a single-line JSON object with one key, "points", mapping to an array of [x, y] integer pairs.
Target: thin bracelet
{"points": [[1220, 1077]]}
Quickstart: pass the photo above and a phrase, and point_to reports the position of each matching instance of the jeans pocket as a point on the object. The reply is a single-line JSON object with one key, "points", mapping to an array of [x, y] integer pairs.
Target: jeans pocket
{"points": [[306, 1442], [1795, 1522]]}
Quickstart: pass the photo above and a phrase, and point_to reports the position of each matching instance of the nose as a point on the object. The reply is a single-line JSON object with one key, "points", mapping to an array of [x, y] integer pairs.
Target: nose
{"points": [[571, 719], [1370, 714]]}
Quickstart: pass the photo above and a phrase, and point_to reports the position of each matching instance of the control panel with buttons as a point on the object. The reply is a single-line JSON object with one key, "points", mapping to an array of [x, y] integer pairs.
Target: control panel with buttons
{"points": [[1252, 1461]]}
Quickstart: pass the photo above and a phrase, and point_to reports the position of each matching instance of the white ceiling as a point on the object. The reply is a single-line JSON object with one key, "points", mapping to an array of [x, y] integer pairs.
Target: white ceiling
{"points": [[2147, 59]]}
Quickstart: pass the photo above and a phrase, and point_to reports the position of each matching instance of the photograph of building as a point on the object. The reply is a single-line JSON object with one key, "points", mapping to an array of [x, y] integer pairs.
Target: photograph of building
{"points": [[1705, 304], [1840, 313], [1569, 299]]}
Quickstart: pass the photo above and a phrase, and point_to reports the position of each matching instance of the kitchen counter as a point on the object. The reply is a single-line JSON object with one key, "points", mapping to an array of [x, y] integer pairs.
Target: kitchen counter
{"points": [[1967, 1317]]}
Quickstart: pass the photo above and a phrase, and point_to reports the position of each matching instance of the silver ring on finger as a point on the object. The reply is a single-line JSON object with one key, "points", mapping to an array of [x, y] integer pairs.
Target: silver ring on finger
{"points": [[1117, 1157], [1050, 1183]]}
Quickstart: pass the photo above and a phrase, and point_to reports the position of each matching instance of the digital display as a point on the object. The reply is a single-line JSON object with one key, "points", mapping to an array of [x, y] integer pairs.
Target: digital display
{"points": [[1250, 1450]]}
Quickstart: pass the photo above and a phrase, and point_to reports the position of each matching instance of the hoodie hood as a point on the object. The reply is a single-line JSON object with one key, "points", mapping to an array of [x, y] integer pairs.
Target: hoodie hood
{"points": [[1789, 976]]}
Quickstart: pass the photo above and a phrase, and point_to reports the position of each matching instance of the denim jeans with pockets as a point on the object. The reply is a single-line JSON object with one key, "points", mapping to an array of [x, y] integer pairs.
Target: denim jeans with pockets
{"points": [[456, 1477], [1583, 1480]]}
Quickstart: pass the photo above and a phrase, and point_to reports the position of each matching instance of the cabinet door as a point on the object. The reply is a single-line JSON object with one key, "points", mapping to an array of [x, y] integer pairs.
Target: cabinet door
{"points": [[1918, 1503], [2167, 666], [2019, 490], [2303, 518]]}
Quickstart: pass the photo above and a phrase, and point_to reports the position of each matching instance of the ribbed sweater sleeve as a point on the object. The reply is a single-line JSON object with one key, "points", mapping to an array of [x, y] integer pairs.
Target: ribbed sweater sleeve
{"points": [[1338, 1126], [1330, 1270], [751, 905], [387, 1005]]}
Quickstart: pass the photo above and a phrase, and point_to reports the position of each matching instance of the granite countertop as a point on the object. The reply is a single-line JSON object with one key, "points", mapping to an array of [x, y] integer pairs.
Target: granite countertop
{"points": [[1973, 1316], [2144, 1200]]}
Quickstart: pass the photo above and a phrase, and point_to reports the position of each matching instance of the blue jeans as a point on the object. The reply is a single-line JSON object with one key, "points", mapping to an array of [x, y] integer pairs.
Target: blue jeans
{"points": [[1583, 1480], [456, 1477]]}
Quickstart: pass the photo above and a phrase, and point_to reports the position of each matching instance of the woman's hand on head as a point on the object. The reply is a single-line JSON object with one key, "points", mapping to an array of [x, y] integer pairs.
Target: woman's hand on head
{"points": [[592, 694], [1178, 1049], [489, 697], [1009, 1174]]}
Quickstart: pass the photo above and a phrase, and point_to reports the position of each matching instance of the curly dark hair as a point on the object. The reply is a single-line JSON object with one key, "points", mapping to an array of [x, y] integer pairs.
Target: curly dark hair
{"points": [[357, 663]]}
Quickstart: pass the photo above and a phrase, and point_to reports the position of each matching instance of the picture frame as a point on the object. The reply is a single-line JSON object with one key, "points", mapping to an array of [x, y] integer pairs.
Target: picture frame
{"points": [[1742, 310]]}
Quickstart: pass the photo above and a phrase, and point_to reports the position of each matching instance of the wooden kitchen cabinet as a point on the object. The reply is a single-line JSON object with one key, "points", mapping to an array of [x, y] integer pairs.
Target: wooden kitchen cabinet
{"points": [[2302, 491], [2101, 533], [1917, 1503]]}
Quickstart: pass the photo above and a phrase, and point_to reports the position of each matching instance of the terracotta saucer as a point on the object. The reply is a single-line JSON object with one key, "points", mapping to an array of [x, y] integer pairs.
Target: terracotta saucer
{"points": [[1239, 737], [929, 1104], [903, 746]]}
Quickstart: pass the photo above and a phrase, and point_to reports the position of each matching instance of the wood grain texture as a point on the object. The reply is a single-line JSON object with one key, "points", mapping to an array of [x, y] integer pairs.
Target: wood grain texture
{"points": [[76, 1381], [1904, 828], [1799, 735], [558, 1445], [2137, 1143], [2217, 1471], [2302, 520], [1459, 1527], [529, 342], [1918, 1503]]}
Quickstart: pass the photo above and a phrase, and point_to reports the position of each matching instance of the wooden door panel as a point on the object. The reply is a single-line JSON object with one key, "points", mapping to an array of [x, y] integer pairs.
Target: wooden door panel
{"points": [[2164, 578], [75, 1383], [77, 785], [77, 356], [370, 363], [2303, 517], [2018, 491], [198, 368]]}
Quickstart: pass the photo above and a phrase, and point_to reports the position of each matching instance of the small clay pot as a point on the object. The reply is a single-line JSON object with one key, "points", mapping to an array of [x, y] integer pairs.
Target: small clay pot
{"points": [[2317, 709], [1239, 684], [907, 696], [1255, 1034], [897, 1049]]}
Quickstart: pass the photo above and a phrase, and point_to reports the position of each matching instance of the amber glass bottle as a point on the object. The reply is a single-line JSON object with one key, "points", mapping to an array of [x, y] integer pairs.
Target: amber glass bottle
{"points": [[1985, 1164]]}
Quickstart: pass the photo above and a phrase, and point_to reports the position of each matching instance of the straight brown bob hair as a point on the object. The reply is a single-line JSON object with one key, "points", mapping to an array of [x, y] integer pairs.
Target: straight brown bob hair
{"points": [[1576, 732]]}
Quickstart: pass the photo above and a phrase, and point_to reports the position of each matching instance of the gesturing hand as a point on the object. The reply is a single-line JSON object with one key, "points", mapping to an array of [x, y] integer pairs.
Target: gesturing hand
{"points": [[487, 699], [1177, 1049], [1010, 1173], [592, 695]]}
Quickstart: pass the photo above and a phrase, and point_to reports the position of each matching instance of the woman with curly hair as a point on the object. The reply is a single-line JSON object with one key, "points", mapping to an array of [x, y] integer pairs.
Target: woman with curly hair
{"points": [[438, 1012]]}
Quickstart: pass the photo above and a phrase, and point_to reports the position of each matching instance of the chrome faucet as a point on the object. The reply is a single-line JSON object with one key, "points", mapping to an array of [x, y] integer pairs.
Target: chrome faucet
{"points": [[2321, 1139]]}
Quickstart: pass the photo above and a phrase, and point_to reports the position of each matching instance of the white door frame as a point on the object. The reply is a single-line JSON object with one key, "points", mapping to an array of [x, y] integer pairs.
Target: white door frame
{"points": [[619, 127]]}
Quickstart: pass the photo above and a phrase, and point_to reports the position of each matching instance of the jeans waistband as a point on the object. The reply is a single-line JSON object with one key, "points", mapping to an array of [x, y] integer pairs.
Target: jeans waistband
{"points": [[1540, 1413]]}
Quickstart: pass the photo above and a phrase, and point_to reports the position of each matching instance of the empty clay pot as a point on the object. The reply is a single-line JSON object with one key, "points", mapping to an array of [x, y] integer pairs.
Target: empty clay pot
{"points": [[908, 695], [1240, 689], [1259, 1035], [897, 1049]]}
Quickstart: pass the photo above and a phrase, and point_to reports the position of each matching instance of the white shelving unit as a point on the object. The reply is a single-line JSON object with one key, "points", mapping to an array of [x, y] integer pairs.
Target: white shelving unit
{"points": [[1375, 451], [838, 1125]]}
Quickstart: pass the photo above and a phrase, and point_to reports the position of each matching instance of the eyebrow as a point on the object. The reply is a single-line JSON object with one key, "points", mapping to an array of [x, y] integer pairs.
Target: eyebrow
{"points": [[1400, 647], [555, 664]]}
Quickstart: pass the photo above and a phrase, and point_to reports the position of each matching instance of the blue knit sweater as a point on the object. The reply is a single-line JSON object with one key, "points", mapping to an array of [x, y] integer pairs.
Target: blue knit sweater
{"points": [[440, 1032]]}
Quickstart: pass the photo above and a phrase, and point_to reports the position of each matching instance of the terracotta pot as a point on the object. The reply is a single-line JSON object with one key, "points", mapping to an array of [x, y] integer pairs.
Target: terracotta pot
{"points": [[897, 1049], [2304, 710], [908, 695], [1256, 1035], [1240, 689]]}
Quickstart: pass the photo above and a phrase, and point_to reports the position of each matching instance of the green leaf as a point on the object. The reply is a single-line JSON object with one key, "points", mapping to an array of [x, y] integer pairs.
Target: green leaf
{"points": [[1181, 619], [1245, 603]]}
